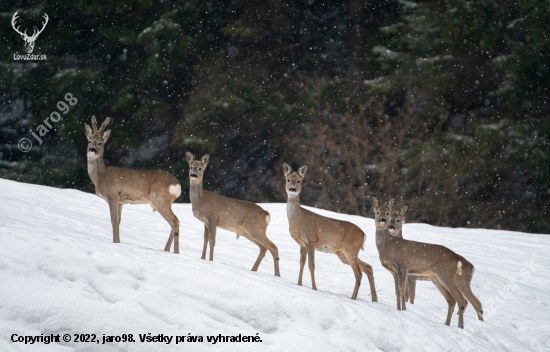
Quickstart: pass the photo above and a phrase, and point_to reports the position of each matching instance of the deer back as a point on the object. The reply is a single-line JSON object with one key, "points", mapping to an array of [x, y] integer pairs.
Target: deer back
{"points": [[325, 233], [138, 186], [229, 213]]}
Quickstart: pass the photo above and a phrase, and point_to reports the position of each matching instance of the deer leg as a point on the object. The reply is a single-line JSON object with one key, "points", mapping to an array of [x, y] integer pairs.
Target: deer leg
{"points": [[402, 275], [212, 239], [367, 269], [275, 253], [311, 264], [455, 292], [203, 256], [303, 253], [448, 297], [411, 288], [119, 213], [260, 257], [113, 206], [168, 215], [352, 260], [397, 292], [262, 251], [463, 284], [393, 270], [264, 243]]}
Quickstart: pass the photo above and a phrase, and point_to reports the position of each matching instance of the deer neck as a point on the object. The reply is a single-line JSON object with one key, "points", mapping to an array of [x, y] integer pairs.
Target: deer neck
{"points": [[293, 205], [398, 235], [196, 191], [382, 238], [96, 167]]}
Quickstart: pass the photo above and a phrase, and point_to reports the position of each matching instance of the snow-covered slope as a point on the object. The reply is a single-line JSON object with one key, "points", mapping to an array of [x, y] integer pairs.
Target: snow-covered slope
{"points": [[60, 273]]}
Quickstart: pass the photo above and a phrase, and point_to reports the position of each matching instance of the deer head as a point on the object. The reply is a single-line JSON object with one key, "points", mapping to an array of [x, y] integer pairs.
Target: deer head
{"points": [[196, 167], [29, 40], [397, 217], [382, 212], [97, 138], [293, 184]]}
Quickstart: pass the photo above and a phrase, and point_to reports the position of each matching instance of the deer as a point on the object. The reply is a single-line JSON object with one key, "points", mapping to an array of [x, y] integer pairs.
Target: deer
{"points": [[29, 40], [315, 232], [119, 186], [410, 290], [246, 219], [449, 272]]}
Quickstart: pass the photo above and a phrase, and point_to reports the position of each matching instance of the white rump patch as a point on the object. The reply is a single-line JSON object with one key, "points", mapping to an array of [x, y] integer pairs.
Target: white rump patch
{"points": [[459, 267], [268, 219], [175, 190]]}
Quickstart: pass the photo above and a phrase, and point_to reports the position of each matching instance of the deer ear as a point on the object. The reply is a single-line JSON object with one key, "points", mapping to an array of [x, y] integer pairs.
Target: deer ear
{"points": [[404, 210], [287, 169], [88, 131], [391, 203], [302, 171], [375, 203], [106, 135], [205, 159], [189, 157]]}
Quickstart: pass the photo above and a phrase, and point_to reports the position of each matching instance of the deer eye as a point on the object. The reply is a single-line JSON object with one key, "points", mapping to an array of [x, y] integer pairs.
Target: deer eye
{"points": [[298, 181], [288, 180], [398, 220], [200, 168], [387, 213], [99, 143], [378, 213]]}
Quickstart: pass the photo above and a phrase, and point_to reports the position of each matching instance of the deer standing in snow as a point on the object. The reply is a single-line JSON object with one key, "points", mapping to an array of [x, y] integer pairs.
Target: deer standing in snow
{"points": [[119, 186], [246, 219], [315, 232], [449, 272]]}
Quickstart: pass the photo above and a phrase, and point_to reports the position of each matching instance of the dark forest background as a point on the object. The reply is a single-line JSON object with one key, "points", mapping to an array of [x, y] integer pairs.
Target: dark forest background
{"points": [[443, 104]]}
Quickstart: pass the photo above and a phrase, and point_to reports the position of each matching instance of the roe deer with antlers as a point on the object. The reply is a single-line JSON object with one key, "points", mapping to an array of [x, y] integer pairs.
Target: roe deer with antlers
{"points": [[315, 232], [120, 186], [247, 219], [450, 272]]}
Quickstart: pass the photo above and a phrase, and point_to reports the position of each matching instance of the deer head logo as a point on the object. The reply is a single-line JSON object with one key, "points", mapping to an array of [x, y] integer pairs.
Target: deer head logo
{"points": [[29, 40]]}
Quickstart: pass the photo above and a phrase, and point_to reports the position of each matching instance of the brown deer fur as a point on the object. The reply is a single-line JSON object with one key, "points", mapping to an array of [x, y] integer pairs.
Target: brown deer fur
{"points": [[119, 186], [247, 219], [450, 272], [315, 232]]}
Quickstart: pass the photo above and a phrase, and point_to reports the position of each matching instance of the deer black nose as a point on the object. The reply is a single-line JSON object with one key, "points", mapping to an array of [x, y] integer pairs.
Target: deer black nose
{"points": [[93, 150], [382, 221], [292, 189], [392, 227]]}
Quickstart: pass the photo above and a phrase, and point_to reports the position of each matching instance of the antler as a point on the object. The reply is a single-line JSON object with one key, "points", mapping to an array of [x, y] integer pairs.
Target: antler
{"points": [[94, 124], [36, 33], [13, 19], [104, 124]]}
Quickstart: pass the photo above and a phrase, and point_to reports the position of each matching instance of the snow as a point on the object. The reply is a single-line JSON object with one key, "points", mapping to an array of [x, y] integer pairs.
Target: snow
{"points": [[60, 273]]}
